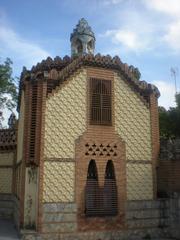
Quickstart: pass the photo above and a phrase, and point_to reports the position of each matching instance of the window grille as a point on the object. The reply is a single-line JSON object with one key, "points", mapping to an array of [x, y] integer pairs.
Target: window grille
{"points": [[100, 94], [110, 190], [91, 190], [33, 121], [100, 201]]}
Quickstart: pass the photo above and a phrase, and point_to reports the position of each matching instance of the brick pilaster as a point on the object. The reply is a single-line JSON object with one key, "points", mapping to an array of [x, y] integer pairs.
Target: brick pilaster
{"points": [[154, 138]]}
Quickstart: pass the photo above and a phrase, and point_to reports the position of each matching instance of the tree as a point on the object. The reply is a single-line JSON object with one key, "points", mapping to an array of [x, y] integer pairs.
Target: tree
{"points": [[170, 120], [8, 89]]}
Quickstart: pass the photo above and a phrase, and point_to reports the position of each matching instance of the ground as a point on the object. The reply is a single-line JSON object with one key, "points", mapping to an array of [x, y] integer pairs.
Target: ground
{"points": [[7, 230]]}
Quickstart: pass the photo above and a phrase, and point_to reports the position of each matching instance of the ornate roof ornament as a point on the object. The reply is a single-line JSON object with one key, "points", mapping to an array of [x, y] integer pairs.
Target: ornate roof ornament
{"points": [[82, 39]]}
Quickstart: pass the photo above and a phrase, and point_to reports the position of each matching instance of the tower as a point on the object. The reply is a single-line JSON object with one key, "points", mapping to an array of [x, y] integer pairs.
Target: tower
{"points": [[82, 39]]}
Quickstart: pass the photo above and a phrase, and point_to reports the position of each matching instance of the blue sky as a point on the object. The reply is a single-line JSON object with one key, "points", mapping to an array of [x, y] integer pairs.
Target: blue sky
{"points": [[144, 33]]}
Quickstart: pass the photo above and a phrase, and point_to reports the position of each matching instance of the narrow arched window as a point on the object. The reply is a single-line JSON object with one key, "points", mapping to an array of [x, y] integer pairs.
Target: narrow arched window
{"points": [[91, 190], [101, 101], [79, 46], [110, 191]]}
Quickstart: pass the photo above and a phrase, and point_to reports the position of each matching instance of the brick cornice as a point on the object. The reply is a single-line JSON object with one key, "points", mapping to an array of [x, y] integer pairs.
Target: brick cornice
{"points": [[66, 67]]}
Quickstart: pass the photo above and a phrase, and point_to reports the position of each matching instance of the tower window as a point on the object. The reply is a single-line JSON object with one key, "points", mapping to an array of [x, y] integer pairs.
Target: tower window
{"points": [[100, 102]]}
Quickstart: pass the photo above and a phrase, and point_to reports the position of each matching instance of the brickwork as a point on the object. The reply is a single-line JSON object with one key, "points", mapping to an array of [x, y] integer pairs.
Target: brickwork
{"points": [[25, 147], [98, 137], [154, 138], [168, 172], [168, 176], [41, 159], [20, 138]]}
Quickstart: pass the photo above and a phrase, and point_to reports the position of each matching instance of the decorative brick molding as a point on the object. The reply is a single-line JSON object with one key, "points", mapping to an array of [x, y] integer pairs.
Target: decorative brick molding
{"points": [[100, 136], [154, 138]]}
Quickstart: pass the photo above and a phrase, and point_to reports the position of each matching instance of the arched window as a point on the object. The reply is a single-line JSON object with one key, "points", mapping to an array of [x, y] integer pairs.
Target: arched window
{"points": [[79, 46], [110, 190], [100, 94], [91, 190]]}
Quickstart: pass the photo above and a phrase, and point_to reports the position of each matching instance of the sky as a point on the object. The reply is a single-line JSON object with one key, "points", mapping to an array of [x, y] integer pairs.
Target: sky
{"points": [[143, 33]]}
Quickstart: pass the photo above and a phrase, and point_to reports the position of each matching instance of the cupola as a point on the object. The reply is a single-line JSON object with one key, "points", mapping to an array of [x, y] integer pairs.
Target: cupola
{"points": [[82, 39]]}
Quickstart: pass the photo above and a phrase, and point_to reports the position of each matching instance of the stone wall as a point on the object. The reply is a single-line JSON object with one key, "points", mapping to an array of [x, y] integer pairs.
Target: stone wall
{"points": [[174, 215], [16, 212], [145, 219], [59, 218], [6, 206], [148, 214]]}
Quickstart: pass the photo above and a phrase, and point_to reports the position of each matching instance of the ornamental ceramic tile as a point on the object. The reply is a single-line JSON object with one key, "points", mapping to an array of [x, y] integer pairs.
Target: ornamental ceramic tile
{"points": [[65, 118]]}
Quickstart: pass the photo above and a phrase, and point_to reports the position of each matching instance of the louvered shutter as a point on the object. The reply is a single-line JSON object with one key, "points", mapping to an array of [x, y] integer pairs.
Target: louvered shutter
{"points": [[101, 101]]}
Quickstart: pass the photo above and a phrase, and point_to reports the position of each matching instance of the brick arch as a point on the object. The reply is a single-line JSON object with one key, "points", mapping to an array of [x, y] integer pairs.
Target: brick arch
{"points": [[96, 146]]}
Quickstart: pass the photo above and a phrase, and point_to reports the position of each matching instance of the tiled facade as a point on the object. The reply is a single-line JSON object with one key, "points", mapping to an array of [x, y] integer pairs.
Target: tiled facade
{"points": [[6, 171], [5, 180], [132, 121], [139, 181], [65, 117], [62, 128], [6, 159], [59, 181]]}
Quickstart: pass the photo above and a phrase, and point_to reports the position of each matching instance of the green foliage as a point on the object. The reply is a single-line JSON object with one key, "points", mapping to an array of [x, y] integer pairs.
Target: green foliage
{"points": [[170, 120], [8, 89]]}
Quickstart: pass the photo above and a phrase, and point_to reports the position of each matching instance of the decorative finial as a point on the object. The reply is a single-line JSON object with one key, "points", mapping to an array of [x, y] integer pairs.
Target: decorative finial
{"points": [[82, 39]]}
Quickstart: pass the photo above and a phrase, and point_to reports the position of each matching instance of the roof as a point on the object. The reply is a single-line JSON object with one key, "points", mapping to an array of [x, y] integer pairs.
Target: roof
{"points": [[67, 66]]}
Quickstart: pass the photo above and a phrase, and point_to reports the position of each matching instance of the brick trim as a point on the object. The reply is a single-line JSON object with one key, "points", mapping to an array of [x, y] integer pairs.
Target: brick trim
{"points": [[154, 116], [59, 159], [42, 106], [82, 161], [27, 99], [99, 73]]}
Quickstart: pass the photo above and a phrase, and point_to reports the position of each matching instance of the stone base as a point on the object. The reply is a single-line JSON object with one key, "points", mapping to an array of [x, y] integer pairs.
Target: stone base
{"points": [[114, 235]]}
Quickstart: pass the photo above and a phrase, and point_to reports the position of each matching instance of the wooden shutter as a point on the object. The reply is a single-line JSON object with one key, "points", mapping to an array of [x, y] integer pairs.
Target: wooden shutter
{"points": [[91, 190], [110, 191], [100, 98], [100, 201], [33, 122]]}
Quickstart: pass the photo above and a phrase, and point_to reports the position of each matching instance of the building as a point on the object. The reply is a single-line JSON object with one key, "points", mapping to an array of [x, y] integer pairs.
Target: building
{"points": [[87, 143]]}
